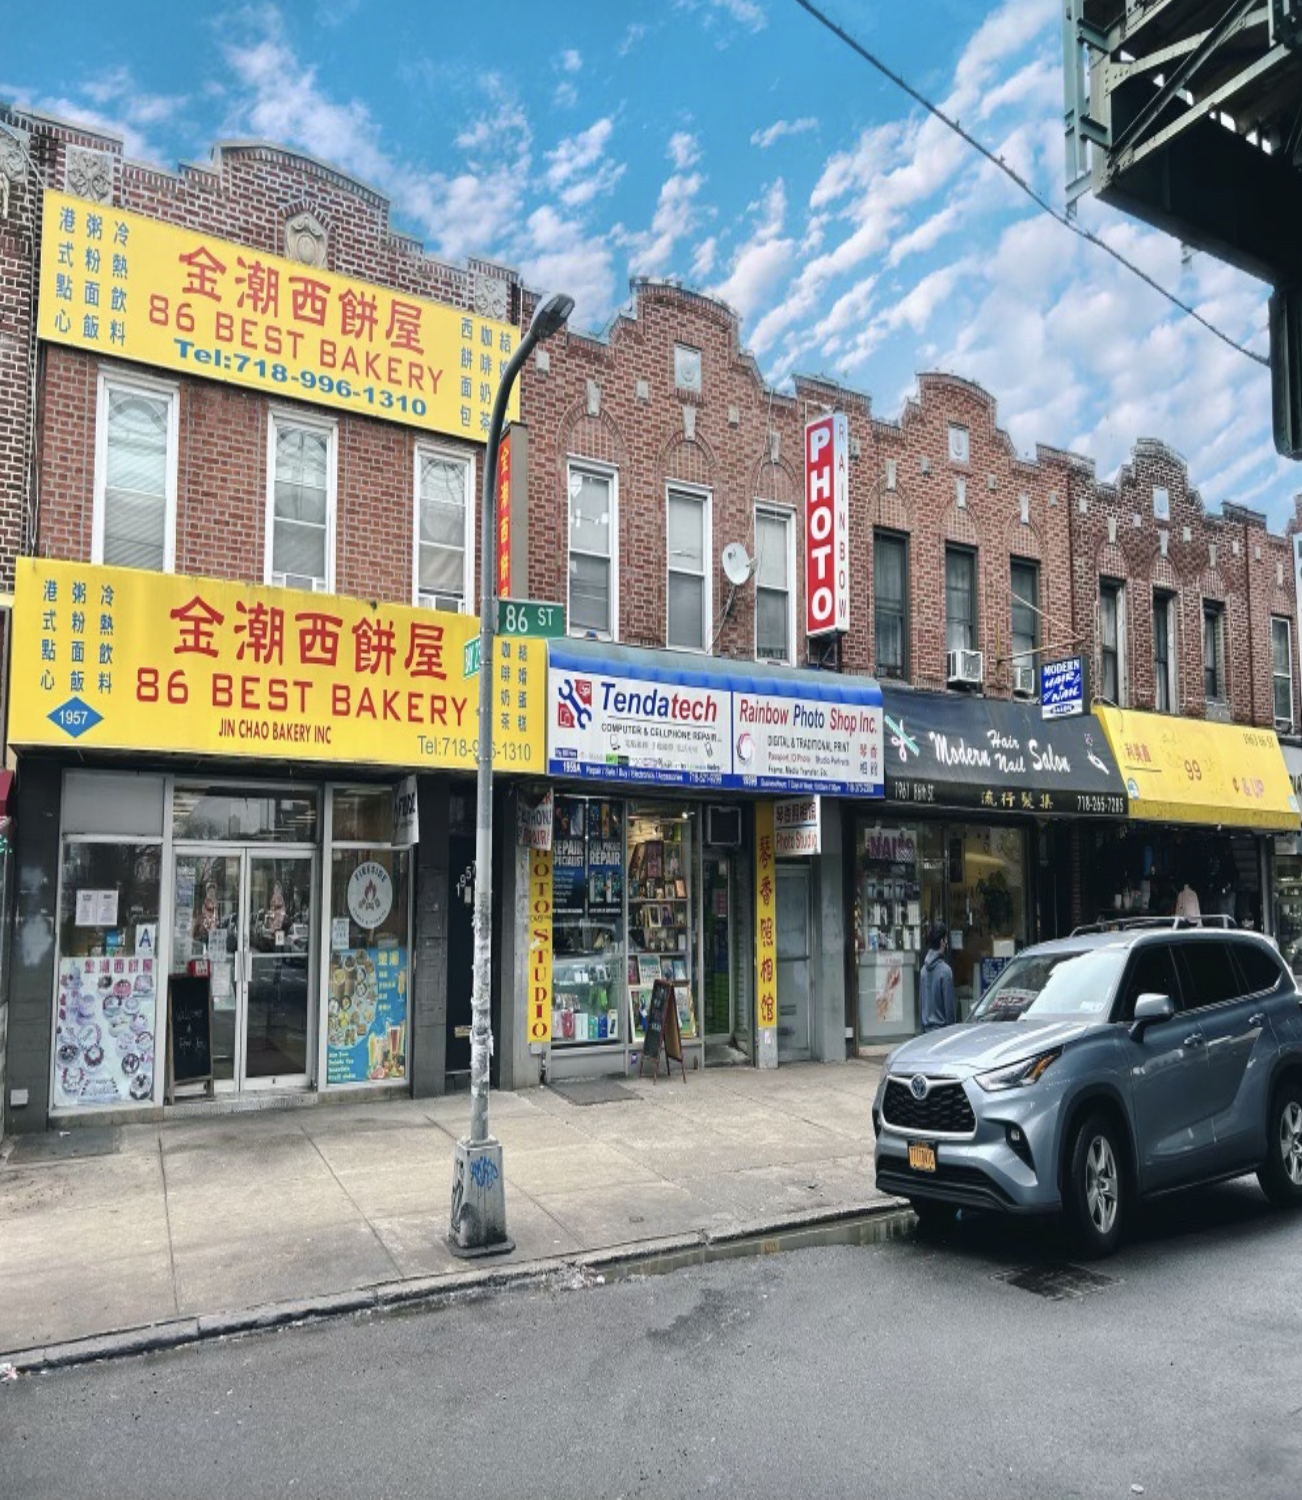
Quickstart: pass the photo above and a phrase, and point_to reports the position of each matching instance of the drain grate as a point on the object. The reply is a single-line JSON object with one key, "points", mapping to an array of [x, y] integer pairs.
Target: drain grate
{"points": [[1064, 1283], [66, 1145], [593, 1091]]}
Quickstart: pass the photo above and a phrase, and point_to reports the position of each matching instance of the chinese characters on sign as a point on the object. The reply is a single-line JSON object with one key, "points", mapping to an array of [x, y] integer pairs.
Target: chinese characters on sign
{"points": [[122, 284], [118, 659], [504, 518], [766, 917], [797, 827]]}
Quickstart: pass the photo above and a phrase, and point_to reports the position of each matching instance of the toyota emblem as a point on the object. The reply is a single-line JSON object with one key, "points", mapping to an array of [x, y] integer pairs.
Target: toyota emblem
{"points": [[919, 1086]]}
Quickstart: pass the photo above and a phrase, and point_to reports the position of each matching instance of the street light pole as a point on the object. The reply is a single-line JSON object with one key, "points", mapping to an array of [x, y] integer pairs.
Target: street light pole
{"points": [[478, 1193]]}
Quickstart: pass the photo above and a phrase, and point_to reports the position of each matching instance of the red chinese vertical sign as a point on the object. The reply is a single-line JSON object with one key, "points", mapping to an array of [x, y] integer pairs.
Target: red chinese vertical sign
{"points": [[504, 518], [766, 913]]}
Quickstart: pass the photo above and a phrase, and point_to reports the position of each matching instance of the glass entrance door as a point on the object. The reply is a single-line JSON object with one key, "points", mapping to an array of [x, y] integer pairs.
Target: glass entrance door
{"points": [[249, 912]]}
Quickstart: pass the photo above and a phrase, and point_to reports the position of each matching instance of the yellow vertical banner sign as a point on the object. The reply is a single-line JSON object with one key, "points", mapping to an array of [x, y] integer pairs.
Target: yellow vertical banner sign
{"points": [[540, 945], [766, 902]]}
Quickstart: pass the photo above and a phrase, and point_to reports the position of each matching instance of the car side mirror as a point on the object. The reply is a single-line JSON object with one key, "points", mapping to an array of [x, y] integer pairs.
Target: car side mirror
{"points": [[1150, 1009]]}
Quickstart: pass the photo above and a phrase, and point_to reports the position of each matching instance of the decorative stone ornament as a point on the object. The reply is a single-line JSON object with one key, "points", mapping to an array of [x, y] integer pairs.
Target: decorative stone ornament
{"points": [[88, 174], [13, 166], [305, 239], [491, 297]]}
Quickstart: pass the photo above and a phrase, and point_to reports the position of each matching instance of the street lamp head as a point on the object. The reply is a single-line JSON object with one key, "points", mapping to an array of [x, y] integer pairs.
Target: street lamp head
{"points": [[551, 316]]}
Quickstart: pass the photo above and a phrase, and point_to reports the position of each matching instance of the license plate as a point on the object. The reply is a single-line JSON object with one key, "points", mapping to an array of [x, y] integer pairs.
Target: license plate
{"points": [[922, 1158]]}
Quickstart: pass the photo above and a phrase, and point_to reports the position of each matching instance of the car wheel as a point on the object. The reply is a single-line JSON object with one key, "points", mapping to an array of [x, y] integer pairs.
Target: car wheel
{"points": [[932, 1214], [1281, 1176], [1094, 1189]]}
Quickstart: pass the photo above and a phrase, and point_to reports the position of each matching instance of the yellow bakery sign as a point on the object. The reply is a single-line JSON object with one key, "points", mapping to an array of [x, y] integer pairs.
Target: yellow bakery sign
{"points": [[120, 659], [182, 299]]}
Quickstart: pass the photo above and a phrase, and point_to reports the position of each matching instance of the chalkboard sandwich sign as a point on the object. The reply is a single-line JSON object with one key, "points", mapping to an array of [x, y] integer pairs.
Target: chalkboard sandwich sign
{"points": [[189, 1033], [662, 1033]]}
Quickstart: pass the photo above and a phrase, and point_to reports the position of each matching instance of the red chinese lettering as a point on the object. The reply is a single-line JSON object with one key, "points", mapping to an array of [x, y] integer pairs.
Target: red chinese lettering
{"points": [[263, 630], [357, 314], [309, 299], [766, 931], [766, 890], [261, 284], [318, 638], [403, 331], [204, 269], [766, 971], [198, 621], [425, 651], [765, 849], [373, 646]]}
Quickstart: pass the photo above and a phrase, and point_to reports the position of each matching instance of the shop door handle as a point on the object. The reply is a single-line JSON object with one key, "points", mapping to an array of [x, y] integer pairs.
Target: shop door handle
{"points": [[1194, 1040]]}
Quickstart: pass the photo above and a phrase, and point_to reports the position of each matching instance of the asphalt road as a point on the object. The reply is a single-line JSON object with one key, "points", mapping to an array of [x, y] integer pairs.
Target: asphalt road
{"points": [[913, 1368]]}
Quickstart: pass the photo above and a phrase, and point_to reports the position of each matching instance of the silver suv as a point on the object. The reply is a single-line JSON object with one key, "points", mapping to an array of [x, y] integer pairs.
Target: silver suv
{"points": [[1100, 1070]]}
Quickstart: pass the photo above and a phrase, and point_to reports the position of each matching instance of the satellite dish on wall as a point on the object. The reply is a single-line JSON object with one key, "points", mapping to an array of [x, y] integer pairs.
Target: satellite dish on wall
{"points": [[736, 564]]}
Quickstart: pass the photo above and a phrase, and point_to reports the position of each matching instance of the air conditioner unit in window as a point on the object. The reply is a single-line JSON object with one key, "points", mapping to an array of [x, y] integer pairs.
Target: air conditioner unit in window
{"points": [[965, 668], [299, 581], [1024, 681], [1284, 726], [450, 602]]}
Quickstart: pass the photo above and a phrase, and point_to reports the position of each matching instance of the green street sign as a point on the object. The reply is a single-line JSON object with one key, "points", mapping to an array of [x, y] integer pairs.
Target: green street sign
{"points": [[471, 652], [527, 617]]}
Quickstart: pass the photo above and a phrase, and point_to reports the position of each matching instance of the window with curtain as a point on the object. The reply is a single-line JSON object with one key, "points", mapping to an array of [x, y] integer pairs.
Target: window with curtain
{"points": [[592, 504], [1213, 654], [136, 491], [1163, 655], [960, 599], [891, 604], [1111, 617], [1025, 581], [687, 625], [301, 506], [773, 591], [1281, 667], [441, 546]]}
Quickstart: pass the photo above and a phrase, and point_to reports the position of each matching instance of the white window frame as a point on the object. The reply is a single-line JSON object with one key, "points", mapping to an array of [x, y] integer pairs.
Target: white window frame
{"points": [[1172, 654], [1274, 675], [1117, 586], [705, 496], [787, 515], [576, 463], [142, 385], [330, 428], [469, 597]]}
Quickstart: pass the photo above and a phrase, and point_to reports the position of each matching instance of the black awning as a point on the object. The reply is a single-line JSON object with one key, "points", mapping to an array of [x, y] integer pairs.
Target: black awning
{"points": [[952, 750]]}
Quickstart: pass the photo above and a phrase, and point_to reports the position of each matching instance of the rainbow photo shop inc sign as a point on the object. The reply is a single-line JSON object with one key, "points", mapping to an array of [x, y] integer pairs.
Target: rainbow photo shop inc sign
{"points": [[673, 727]]}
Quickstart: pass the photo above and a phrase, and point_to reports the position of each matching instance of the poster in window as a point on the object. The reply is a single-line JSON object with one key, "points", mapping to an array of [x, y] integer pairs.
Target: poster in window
{"points": [[104, 1041], [366, 1038]]}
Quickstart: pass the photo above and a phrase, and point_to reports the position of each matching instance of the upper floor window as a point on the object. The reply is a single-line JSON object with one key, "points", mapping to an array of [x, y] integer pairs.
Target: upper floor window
{"points": [[687, 368], [1112, 642], [1281, 670], [958, 444], [593, 606], [301, 504], [444, 548], [1164, 656], [688, 532], [1024, 578], [960, 599], [1213, 652], [891, 603], [775, 612], [134, 523]]}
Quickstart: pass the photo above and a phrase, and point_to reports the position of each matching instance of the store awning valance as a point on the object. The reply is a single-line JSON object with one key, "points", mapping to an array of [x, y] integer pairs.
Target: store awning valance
{"points": [[675, 718], [1194, 771], [953, 750]]}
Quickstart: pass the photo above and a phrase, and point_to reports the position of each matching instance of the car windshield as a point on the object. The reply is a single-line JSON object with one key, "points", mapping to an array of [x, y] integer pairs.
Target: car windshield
{"points": [[1067, 984]]}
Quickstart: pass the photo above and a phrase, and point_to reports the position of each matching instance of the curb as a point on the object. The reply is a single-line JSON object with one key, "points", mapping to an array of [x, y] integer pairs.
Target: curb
{"points": [[876, 1221]]}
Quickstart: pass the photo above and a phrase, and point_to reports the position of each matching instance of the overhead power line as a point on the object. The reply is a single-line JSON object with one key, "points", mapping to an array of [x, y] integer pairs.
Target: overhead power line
{"points": [[1041, 202]]}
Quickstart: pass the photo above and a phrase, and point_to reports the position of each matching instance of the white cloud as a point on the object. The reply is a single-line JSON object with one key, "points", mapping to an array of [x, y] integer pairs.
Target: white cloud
{"points": [[779, 128], [746, 14], [117, 107], [636, 33], [703, 258], [763, 259], [563, 255], [566, 95], [674, 219], [578, 171], [571, 60], [683, 150]]}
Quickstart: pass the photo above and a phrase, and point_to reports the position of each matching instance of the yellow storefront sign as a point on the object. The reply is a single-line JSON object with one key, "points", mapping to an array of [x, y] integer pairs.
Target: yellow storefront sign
{"points": [[118, 659], [1194, 771], [128, 286], [540, 945], [766, 919]]}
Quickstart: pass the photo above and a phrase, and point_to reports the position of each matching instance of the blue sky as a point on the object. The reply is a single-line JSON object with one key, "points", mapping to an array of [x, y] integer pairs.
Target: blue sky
{"points": [[740, 147]]}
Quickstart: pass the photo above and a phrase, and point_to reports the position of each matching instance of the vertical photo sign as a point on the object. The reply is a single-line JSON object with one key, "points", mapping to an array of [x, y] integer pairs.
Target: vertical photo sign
{"points": [[766, 913], [827, 525]]}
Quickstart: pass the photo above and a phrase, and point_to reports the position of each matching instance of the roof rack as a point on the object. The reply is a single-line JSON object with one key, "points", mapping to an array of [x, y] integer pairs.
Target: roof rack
{"points": [[1129, 924]]}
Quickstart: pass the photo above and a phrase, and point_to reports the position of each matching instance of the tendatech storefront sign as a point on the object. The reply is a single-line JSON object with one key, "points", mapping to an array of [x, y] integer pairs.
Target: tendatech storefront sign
{"points": [[659, 718], [130, 287], [955, 751], [118, 659]]}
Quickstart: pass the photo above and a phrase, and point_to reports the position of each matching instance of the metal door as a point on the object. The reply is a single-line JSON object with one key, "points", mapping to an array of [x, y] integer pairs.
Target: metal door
{"points": [[793, 963]]}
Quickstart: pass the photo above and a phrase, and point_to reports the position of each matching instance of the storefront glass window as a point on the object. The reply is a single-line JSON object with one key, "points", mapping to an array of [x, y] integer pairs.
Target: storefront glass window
{"points": [[211, 813], [108, 1006], [899, 892], [661, 930], [1142, 872], [587, 920], [369, 973], [363, 815], [987, 905]]}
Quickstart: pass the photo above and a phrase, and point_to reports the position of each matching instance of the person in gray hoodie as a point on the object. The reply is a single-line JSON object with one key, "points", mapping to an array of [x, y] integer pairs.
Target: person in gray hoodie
{"points": [[936, 983]]}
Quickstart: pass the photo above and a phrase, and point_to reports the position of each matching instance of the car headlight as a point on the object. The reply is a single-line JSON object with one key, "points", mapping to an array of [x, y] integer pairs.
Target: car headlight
{"points": [[1018, 1075]]}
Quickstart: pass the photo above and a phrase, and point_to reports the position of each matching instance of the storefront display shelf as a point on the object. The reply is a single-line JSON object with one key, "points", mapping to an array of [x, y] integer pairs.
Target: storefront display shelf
{"points": [[585, 999]]}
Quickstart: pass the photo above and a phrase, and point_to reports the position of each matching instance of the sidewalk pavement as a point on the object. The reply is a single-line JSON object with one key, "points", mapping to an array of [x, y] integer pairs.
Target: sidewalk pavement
{"points": [[229, 1212]]}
